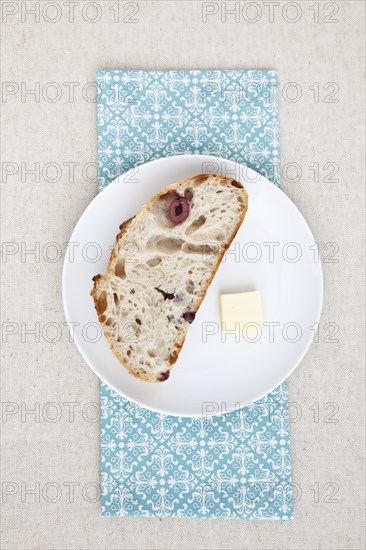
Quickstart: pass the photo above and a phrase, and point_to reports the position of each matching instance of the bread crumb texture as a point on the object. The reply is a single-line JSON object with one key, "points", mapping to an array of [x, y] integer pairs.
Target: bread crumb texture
{"points": [[159, 272]]}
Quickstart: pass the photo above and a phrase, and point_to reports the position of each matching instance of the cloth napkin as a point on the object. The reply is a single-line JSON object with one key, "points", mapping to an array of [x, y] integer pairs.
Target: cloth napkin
{"points": [[234, 465]]}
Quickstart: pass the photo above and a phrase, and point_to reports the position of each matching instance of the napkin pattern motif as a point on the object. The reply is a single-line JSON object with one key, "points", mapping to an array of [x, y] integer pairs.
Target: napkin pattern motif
{"points": [[145, 115], [234, 465]]}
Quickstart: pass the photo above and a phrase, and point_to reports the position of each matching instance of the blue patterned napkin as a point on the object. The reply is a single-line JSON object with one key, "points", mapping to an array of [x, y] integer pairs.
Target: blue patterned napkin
{"points": [[235, 465]]}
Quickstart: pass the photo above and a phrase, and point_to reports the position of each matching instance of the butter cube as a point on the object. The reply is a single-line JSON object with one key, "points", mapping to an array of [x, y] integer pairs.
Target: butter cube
{"points": [[244, 308]]}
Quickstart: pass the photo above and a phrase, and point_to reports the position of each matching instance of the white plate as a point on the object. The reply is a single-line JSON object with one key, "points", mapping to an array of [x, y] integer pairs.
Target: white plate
{"points": [[210, 376]]}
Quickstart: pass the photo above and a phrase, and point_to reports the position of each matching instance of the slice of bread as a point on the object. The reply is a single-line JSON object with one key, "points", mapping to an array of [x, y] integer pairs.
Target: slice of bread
{"points": [[161, 267]]}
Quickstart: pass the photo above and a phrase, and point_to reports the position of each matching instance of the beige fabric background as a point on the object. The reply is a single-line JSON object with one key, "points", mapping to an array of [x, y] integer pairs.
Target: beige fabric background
{"points": [[327, 389]]}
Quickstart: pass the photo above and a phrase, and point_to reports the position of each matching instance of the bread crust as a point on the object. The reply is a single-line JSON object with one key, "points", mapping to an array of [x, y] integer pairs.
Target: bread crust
{"points": [[124, 228]]}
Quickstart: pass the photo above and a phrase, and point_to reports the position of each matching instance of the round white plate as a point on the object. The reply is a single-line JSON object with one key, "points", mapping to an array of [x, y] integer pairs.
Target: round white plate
{"points": [[274, 252]]}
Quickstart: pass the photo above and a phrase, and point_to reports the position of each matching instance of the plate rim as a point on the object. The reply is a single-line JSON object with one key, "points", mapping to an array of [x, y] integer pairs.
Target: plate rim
{"points": [[117, 181]]}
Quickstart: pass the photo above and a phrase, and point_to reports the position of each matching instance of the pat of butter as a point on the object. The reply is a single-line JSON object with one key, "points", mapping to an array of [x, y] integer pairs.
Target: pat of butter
{"points": [[244, 308]]}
